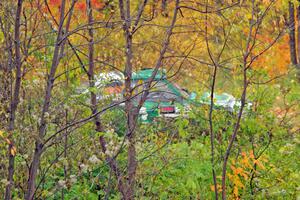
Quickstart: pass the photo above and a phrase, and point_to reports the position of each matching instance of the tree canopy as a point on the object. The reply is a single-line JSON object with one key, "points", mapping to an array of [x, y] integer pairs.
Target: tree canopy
{"points": [[148, 99]]}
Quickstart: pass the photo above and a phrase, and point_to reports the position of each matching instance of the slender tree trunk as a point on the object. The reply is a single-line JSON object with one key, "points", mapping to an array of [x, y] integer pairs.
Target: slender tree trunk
{"points": [[211, 130], [66, 111], [298, 32], [132, 162], [91, 71], [298, 40], [292, 35], [43, 122], [211, 127], [98, 125], [129, 109], [131, 118], [243, 102], [232, 139], [164, 11], [14, 103]]}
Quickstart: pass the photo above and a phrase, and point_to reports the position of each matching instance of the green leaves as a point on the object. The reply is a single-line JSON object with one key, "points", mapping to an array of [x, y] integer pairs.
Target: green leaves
{"points": [[93, 89], [190, 184], [182, 125]]}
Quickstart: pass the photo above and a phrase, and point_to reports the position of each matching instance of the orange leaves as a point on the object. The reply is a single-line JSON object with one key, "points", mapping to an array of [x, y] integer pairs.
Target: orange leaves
{"points": [[251, 155], [276, 60], [96, 4], [13, 151], [259, 164], [245, 160], [55, 2], [219, 188], [236, 192], [239, 171], [242, 169], [252, 160], [236, 178], [81, 6]]}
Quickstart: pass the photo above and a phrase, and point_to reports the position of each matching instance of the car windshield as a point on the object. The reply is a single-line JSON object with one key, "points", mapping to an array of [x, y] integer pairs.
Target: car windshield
{"points": [[183, 92], [163, 91]]}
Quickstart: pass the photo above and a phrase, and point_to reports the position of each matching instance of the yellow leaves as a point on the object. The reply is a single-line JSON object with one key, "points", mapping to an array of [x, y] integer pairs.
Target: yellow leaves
{"points": [[259, 164], [241, 2], [31, 59], [245, 160], [13, 151], [252, 155], [1, 37], [214, 100], [250, 160], [219, 188], [2, 135], [236, 180], [277, 56], [236, 171], [239, 171], [7, 141], [242, 168]]}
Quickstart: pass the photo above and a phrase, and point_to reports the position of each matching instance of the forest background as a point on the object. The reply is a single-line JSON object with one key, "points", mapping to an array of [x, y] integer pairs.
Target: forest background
{"points": [[58, 143]]}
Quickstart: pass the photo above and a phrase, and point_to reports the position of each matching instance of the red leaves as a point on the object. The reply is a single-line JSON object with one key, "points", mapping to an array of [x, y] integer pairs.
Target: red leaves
{"points": [[97, 4], [81, 5], [54, 2]]}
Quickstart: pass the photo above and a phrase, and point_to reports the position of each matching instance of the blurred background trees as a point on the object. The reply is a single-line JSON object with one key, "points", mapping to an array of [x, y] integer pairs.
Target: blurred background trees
{"points": [[60, 143]]}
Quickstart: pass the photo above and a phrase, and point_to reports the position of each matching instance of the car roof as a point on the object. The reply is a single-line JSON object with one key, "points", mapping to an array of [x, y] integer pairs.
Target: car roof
{"points": [[146, 73]]}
